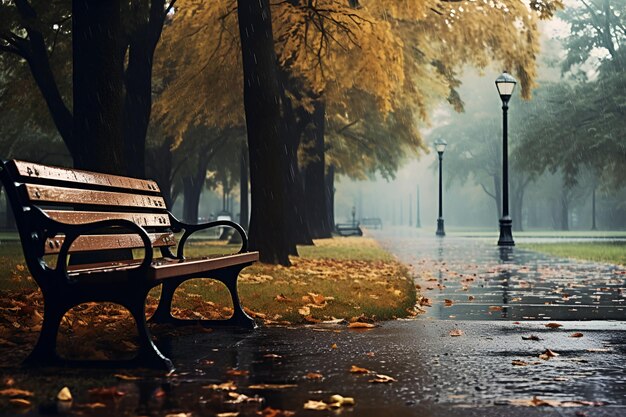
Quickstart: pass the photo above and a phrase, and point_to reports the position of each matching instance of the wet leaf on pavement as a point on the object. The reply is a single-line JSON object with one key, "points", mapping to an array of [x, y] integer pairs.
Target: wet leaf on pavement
{"points": [[358, 370], [315, 405], [553, 325], [456, 332], [314, 375], [382, 379], [577, 334], [361, 325], [548, 354], [14, 392], [64, 394]]}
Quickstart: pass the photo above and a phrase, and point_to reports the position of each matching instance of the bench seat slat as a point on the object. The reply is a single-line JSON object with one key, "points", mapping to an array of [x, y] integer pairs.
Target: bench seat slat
{"points": [[88, 243], [38, 194], [165, 268], [82, 217], [32, 170]]}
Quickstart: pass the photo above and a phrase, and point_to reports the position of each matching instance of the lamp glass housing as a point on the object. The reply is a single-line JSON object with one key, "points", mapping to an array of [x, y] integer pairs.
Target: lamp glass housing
{"points": [[440, 145], [505, 84]]}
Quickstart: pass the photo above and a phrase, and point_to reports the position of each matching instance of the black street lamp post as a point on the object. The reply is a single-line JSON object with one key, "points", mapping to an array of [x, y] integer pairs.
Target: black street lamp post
{"points": [[440, 147], [505, 84]]}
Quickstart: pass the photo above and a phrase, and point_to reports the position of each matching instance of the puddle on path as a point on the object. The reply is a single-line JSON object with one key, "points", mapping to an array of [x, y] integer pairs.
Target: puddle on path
{"points": [[473, 279]]}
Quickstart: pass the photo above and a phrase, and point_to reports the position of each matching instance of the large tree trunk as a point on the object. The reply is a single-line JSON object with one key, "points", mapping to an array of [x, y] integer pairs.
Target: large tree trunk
{"points": [[160, 164], [138, 103], [315, 181], [268, 168], [330, 195], [295, 209], [192, 189], [244, 211], [98, 75]]}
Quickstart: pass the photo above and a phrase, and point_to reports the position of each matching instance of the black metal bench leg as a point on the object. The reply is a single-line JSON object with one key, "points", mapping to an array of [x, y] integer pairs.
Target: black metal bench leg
{"points": [[148, 354], [239, 317], [44, 352], [163, 312]]}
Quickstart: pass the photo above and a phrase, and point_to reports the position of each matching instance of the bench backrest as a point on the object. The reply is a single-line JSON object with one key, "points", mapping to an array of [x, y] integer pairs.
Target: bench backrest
{"points": [[80, 197]]}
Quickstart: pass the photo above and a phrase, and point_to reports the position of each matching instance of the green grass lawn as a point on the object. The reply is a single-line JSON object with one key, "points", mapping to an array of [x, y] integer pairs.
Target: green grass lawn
{"points": [[610, 252]]}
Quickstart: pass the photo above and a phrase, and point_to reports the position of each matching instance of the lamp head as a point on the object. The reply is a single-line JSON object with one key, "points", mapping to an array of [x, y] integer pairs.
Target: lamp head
{"points": [[505, 84], [440, 146]]}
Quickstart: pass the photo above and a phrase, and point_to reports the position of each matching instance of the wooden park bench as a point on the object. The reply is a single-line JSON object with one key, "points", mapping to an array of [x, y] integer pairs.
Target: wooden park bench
{"points": [[87, 216], [348, 229]]}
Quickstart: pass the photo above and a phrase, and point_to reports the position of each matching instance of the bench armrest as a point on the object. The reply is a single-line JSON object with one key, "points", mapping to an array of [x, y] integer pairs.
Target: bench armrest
{"points": [[189, 229], [73, 231]]}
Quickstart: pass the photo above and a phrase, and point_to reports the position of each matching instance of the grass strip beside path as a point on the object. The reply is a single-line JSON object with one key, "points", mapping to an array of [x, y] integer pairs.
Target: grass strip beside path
{"points": [[337, 278], [609, 252]]}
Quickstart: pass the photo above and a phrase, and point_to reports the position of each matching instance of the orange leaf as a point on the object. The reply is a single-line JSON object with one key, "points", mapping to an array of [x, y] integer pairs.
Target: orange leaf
{"points": [[314, 375], [357, 370], [577, 334], [553, 325], [456, 332], [360, 325]]}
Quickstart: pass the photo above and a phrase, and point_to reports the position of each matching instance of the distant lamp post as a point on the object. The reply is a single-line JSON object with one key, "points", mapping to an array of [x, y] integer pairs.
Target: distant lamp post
{"points": [[440, 147], [353, 214], [505, 84]]}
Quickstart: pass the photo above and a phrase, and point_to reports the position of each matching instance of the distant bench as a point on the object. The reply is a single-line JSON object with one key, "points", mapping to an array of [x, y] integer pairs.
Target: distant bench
{"points": [[65, 212], [348, 229], [373, 222]]}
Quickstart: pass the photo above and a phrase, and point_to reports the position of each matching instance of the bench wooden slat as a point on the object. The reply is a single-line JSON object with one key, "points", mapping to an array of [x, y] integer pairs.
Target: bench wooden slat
{"points": [[88, 243], [82, 217], [60, 195], [32, 170], [193, 266]]}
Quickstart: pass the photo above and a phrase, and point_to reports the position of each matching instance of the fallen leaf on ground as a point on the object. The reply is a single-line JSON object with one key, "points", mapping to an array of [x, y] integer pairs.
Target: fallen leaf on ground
{"points": [[180, 415], [64, 394], [20, 402], [227, 414], [272, 356], [275, 412], [272, 386], [456, 332], [531, 337], [315, 405], [470, 298], [553, 325], [360, 325], [333, 346], [382, 379], [224, 386], [518, 362], [314, 375], [304, 311], [124, 377], [14, 392], [281, 297], [448, 302], [237, 372], [338, 401], [358, 370], [548, 354], [495, 308], [425, 302], [577, 334]]}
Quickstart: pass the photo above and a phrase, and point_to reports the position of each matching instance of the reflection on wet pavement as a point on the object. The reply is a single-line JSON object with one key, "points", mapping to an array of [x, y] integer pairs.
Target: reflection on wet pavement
{"points": [[473, 279]]}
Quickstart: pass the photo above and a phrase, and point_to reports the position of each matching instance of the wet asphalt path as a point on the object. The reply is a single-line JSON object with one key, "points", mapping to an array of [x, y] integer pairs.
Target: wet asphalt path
{"points": [[514, 295]]}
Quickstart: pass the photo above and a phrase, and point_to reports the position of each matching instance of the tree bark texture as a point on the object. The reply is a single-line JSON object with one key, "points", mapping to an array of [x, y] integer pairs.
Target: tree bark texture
{"points": [[98, 77], [266, 147], [244, 210], [315, 181]]}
